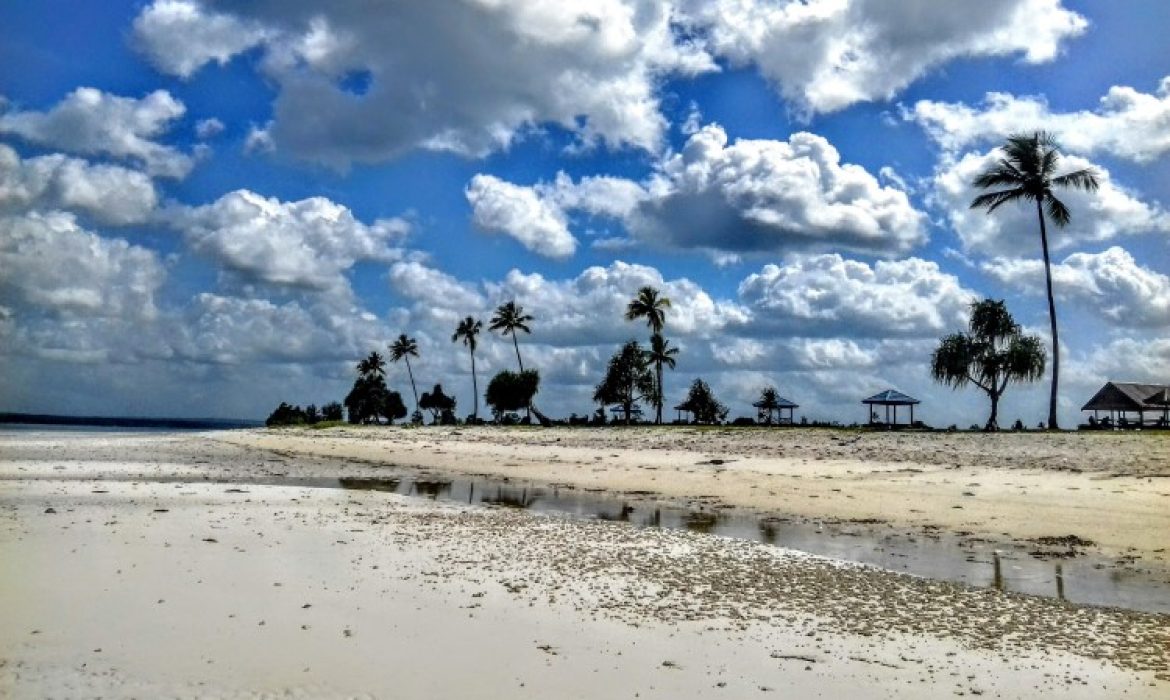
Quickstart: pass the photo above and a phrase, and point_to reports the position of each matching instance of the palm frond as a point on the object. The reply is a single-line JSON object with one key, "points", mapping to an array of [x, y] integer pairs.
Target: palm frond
{"points": [[993, 200], [1084, 179], [1058, 212]]}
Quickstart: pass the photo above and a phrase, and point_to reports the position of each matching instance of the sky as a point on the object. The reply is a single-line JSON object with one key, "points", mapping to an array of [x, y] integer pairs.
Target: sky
{"points": [[207, 208]]}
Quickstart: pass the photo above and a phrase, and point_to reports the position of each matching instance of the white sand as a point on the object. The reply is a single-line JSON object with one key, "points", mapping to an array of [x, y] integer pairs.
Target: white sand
{"points": [[118, 593]]}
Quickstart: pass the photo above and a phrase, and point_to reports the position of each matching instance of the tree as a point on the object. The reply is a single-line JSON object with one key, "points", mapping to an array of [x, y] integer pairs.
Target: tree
{"points": [[991, 354], [508, 319], [372, 364], [511, 391], [286, 415], [703, 404], [369, 400], [468, 329], [660, 353], [438, 403], [627, 379], [331, 411], [1028, 173], [769, 403], [652, 307], [403, 349]]}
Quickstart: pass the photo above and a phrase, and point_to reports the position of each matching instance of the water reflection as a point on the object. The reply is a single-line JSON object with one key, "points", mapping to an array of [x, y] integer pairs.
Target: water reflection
{"points": [[701, 521]]}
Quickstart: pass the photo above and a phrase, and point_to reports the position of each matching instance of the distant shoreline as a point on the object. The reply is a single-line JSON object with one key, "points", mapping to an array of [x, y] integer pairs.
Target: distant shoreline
{"points": [[127, 422]]}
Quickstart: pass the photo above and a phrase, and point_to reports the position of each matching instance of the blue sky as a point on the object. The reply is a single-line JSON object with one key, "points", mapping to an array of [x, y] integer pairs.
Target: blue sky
{"points": [[208, 208]]}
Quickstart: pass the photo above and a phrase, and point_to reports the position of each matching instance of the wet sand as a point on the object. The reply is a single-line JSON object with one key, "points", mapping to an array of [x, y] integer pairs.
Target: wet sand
{"points": [[126, 588]]}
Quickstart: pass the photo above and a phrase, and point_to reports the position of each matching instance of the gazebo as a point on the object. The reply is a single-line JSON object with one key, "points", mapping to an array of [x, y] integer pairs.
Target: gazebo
{"points": [[1122, 398], [780, 406], [684, 407], [891, 399]]}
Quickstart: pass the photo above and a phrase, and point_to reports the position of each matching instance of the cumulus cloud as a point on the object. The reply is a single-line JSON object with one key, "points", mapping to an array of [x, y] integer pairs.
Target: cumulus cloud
{"points": [[54, 266], [307, 243], [108, 193], [824, 55], [464, 77], [1127, 123], [827, 295], [1109, 212], [1110, 282], [752, 196], [93, 122], [208, 128]]}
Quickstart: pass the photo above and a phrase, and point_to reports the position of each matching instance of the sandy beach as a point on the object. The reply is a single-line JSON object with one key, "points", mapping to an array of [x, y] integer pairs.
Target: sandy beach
{"points": [[131, 570]]}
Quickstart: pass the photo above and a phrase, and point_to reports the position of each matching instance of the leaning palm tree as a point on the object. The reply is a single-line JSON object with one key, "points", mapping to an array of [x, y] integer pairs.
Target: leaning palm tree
{"points": [[660, 353], [403, 349], [372, 366], [992, 353], [652, 307], [508, 319], [1028, 173], [468, 329]]}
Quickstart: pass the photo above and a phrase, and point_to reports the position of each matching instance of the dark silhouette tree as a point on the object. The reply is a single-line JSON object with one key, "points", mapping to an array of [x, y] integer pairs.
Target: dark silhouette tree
{"points": [[1028, 173], [627, 381], [438, 403], [992, 353], [511, 391], [650, 305], [286, 415], [403, 349], [702, 403], [467, 331], [331, 411], [508, 319], [769, 403], [660, 354], [372, 364], [369, 400]]}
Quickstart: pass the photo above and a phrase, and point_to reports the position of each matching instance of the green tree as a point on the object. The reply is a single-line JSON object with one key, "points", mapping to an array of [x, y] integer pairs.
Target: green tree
{"points": [[508, 319], [467, 331], [1028, 173], [369, 400], [405, 348], [627, 379], [702, 403], [331, 411], [660, 354], [511, 391], [992, 353], [650, 305], [438, 403]]}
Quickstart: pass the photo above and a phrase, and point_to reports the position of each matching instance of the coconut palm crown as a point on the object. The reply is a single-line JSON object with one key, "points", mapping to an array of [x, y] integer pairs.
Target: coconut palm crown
{"points": [[1027, 173], [509, 318], [467, 331], [650, 306], [403, 349]]}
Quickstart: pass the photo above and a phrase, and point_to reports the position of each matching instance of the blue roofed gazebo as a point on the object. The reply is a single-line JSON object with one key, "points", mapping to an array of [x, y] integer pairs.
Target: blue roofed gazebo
{"points": [[890, 399]]}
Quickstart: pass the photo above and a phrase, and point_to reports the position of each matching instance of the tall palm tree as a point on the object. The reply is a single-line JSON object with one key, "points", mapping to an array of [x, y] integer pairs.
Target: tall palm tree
{"points": [[508, 319], [403, 349], [660, 353], [991, 354], [468, 329], [372, 366], [652, 307], [1028, 173]]}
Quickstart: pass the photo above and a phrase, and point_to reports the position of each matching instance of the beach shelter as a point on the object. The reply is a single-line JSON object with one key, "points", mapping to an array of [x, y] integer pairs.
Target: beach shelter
{"points": [[1161, 398], [890, 399], [682, 408], [1122, 398], [782, 404]]}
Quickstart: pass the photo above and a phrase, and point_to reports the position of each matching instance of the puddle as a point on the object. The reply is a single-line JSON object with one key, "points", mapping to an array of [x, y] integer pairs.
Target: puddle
{"points": [[1085, 579]]}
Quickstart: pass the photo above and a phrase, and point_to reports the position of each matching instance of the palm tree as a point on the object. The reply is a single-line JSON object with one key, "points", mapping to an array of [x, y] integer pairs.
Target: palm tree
{"points": [[1028, 173], [372, 366], [660, 353], [403, 349], [769, 402], [991, 354], [468, 329], [508, 319], [652, 307]]}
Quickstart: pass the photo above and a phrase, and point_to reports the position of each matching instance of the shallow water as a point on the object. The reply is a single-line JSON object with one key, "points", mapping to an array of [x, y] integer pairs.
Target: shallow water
{"points": [[1083, 579]]}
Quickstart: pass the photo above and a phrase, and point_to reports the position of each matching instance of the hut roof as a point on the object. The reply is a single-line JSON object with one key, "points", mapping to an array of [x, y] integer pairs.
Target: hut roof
{"points": [[781, 402], [891, 397], [1127, 396]]}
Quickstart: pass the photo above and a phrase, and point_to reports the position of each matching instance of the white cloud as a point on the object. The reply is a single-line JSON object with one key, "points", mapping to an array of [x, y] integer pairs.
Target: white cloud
{"points": [[537, 224], [825, 55], [463, 77], [55, 266], [1109, 212], [1142, 360], [208, 128], [108, 193], [753, 196], [1111, 282], [308, 243], [1127, 123], [435, 289], [93, 122], [828, 295]]}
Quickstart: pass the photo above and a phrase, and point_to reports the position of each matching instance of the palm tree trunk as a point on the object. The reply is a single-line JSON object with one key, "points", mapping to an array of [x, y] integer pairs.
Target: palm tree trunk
{"points": [[1052, 424], [474, 390], [517, 346], [413, 388], [993, 419], [658, 399]]}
